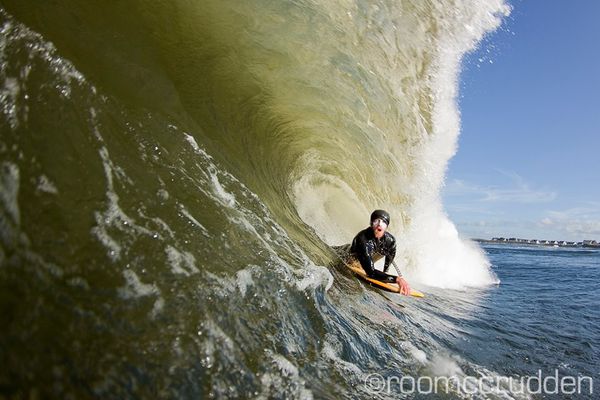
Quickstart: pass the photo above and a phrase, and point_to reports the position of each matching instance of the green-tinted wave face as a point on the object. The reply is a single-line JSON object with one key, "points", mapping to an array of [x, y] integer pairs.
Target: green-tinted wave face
{"points": [[292, 90], [173, 173], [286, 91]]}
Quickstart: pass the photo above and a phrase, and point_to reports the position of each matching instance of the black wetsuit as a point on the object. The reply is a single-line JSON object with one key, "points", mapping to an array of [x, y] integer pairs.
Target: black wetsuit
{"points": [[365, 245]]}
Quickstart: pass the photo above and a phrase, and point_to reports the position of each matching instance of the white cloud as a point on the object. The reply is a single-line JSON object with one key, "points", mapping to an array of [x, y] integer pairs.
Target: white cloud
{"points": [[498, 205], [498, 228], [588, 210], [546, 222], [583, 222], [519, 195], [518, 191], [586, 229]]}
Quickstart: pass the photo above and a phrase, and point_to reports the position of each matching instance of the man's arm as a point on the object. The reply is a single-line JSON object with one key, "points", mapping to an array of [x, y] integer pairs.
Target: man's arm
{"points": [[390, 253], [389, 258]]}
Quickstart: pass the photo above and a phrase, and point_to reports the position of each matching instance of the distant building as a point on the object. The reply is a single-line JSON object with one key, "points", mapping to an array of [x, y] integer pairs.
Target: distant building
{"points": [[553, 243]]}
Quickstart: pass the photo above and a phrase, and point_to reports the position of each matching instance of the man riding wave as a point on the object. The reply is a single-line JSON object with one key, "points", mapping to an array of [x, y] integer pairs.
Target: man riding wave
{"points": [[375, 242]]}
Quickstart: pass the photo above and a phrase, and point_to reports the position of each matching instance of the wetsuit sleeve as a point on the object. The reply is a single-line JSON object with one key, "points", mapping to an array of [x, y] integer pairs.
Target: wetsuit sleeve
{"points": [[361, 252], [390, 253]]}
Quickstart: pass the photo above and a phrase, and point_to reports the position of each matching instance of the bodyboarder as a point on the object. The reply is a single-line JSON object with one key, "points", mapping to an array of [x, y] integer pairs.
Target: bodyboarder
{"points": [[375, 242]]}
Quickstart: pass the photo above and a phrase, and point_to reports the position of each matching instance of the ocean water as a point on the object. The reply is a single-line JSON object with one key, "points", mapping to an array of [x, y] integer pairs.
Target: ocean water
{"points": [[174, 176], [543, 319]]}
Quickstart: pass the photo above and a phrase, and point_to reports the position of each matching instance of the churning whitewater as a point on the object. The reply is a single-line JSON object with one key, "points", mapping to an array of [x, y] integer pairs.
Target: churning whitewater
{"points": [[173, 176]]}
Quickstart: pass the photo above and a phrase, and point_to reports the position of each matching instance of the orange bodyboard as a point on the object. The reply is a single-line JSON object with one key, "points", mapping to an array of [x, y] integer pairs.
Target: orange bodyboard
{"points": [[355, 267]]}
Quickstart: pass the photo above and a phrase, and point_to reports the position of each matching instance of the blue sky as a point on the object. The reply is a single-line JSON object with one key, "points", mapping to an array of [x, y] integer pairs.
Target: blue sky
{"points": [[528, 161]]}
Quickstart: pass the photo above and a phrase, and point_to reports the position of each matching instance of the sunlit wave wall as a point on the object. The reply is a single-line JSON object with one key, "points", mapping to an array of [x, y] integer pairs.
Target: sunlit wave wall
{"points": [[161, 160]]}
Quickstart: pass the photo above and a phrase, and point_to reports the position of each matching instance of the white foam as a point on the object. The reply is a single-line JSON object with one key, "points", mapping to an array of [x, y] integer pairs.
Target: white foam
{"points": [[331, 350], [287, 372], [101, 233], [212, 172], [163, 194], [285, 366], [314, 277], [181, 262], [135, 288], [190, 139], [443, 259], [114, 216], [45, 185], [67, 75], [158, 307], [189, 216], [8, 101], [224, 197], [9, 191], [244, 280], [417, 354], [435, 254], [445, 366], [483, 382], [216, 332]]}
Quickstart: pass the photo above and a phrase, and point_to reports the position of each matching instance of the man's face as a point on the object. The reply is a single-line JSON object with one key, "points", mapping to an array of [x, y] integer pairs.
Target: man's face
{"points": [[379, 226]]}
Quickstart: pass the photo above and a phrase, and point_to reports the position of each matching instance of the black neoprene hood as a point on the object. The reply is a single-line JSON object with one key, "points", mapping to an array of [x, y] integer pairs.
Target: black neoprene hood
{"points": [[381, 214]]}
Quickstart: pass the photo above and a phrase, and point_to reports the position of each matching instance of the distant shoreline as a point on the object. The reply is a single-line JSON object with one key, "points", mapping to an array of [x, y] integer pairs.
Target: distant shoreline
{"points": [[588, 244]]}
